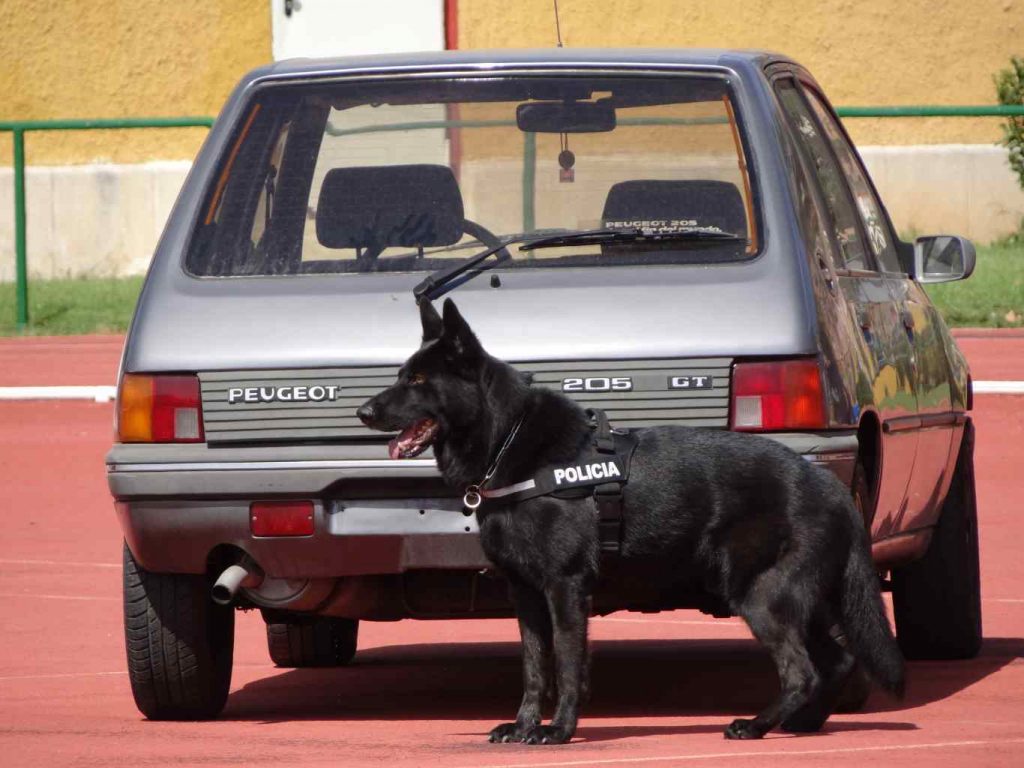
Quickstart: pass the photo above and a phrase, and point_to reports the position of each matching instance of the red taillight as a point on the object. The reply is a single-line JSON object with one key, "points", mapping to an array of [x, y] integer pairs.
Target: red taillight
{"points": [[159, 409], [777, 395], [281, 518]]}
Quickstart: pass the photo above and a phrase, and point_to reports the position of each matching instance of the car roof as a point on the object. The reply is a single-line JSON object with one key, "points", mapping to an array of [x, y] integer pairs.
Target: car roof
{"points": [[510, 59]]}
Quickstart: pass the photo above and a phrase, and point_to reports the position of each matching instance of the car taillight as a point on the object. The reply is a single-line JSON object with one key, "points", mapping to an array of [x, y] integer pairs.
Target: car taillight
{"points": [[159, 409], [785, 394]]}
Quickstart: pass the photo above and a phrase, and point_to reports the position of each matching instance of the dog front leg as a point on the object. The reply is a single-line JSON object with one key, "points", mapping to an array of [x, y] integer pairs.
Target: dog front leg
{"points": [[569, 607], [535, 632]]}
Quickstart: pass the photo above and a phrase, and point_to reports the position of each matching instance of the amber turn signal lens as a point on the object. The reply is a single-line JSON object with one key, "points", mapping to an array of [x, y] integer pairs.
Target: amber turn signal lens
{"points": [[135, 409]]}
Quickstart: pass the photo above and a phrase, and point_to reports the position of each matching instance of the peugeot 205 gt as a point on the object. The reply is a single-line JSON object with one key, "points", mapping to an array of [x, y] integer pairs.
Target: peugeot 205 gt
{"points": [[715, 256]]}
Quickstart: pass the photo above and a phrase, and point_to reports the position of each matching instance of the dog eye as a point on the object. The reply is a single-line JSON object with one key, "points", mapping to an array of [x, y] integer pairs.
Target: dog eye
{"points": [[417, 378]]}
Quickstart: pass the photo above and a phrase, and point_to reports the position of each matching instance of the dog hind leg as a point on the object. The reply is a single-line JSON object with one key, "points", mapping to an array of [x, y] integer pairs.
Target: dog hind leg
{"points": [[835, 665], [774, 609], [535, 632]]}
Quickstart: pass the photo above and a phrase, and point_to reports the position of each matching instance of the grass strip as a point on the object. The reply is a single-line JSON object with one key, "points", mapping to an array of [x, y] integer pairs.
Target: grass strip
{"points": [[993, 297], [72, 306]]}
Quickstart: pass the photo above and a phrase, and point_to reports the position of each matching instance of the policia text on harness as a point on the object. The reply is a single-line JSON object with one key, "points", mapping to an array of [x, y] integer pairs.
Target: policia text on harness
{"points": [[600, 470]]}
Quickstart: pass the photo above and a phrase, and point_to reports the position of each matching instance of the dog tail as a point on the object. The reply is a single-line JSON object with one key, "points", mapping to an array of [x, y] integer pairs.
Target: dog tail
{"points": [[868, 635]]}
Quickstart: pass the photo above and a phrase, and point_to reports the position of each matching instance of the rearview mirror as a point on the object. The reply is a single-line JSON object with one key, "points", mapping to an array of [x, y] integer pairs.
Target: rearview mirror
{"points": [[565, 117], [943, 258]]}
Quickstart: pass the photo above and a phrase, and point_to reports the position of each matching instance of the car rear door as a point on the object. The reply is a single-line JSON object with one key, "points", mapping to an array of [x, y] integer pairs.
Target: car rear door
{"points": [[921, 324], [885, 352]]}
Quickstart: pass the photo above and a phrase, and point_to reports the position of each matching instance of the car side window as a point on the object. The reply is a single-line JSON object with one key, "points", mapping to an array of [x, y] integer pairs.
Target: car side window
{"points": [[845, 224], [867, 204]]}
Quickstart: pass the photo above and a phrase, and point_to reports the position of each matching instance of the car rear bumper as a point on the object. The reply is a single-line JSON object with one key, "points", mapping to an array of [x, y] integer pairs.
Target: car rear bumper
{"points": [[177, 504]]}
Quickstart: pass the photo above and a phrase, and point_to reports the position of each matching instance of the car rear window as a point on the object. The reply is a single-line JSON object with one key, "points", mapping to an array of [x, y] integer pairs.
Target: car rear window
{"points": [[412, 175]]}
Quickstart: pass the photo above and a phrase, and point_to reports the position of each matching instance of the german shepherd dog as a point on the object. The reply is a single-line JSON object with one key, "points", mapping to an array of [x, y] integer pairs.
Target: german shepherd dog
{"points": [[757, 527]]}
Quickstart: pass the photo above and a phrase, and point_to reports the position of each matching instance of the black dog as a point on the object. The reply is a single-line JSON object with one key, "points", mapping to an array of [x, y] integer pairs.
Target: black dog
{"points": [[774, 538]]}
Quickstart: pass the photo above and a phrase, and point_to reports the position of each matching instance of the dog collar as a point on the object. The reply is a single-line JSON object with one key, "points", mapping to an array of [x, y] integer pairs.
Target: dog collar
{"points": [[474, 496]]}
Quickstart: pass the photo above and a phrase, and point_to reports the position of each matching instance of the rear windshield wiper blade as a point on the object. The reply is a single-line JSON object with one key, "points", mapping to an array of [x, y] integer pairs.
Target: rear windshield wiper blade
{"points": [[635, 235], [440, 282]]}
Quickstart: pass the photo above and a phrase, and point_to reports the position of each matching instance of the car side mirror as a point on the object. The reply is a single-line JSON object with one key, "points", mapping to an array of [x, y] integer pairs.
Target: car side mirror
{"points": [[943, 258]]}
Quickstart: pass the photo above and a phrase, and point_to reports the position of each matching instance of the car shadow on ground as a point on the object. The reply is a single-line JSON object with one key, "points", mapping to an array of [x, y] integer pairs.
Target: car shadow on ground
{"points": [[630, 678]]}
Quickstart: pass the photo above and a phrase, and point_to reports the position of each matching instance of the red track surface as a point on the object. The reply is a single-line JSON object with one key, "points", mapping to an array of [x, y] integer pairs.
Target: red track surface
{"points": [[37, 361], [425, 693]]}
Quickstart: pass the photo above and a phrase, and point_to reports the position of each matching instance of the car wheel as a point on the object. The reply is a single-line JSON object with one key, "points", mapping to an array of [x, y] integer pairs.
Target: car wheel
{"points": [[937, 599], [179, 643], [315, 642]]}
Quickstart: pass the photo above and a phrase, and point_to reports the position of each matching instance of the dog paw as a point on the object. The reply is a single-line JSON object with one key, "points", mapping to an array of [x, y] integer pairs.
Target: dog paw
{"points": [[505, 733], [546, 734], [743, 729]]}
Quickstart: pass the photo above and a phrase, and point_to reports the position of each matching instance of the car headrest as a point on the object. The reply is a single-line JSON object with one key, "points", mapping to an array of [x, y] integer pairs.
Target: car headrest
{"points": [[392, 205], [700, 203]]}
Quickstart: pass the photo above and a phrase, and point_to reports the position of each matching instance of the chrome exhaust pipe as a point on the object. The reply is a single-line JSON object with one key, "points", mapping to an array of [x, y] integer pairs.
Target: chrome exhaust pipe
{"points": [[244, 573]]}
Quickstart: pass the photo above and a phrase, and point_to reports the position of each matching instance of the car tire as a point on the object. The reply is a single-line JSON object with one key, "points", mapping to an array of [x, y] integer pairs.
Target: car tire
{"points": [[937, 599], [180, 644], [315, 642]]}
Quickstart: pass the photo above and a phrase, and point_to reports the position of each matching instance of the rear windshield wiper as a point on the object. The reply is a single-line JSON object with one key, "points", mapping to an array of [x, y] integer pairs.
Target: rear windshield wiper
{"points": [[635, 235], [440, 282]]}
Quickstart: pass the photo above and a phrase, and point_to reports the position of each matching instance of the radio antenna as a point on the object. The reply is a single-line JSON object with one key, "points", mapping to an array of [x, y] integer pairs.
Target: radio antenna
{"points": [[558, 27]]}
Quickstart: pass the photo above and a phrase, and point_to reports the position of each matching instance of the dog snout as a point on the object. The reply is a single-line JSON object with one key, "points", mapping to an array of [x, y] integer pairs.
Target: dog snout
{"points": [[367, 413]]}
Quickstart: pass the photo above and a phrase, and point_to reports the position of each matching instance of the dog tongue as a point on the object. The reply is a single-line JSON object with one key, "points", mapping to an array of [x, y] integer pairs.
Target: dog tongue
{"points": [[397, 444], [410, 441]]}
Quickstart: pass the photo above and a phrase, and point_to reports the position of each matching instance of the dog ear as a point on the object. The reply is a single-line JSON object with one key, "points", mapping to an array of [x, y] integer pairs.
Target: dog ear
{"points": [[433, 327], [457, 332]]}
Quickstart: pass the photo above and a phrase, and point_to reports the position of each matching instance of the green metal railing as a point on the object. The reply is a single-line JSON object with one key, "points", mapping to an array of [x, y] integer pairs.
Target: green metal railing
{"points": [[1002, 110], [18, 129]]}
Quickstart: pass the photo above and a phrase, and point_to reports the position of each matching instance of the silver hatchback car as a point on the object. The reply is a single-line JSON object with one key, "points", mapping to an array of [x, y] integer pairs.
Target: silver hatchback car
{"points": [[715, 256]]}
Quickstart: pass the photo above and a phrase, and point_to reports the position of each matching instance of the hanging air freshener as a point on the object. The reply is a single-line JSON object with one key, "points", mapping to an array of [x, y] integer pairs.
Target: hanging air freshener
{"points": [[566, 159]]}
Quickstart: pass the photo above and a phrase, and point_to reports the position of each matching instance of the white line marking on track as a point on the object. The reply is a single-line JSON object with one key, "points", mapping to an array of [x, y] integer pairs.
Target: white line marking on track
{"points": [[104, 393], [99, 394], [59, 562], [56, 676], [58, 597], [998, 387], [63, 674], [763, 753]]}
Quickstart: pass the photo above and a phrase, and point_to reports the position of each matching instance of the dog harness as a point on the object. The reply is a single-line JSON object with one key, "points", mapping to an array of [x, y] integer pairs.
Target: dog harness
{"points": [[600, 470]]}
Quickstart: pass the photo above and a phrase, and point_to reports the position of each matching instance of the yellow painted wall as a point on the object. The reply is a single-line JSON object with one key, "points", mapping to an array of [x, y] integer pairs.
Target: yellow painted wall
{"points": [[123, 58], [113, 58], [863, 52]]}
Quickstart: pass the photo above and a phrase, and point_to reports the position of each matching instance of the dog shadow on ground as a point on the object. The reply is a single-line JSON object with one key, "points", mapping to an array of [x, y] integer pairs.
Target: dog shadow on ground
{"points": [[630, 678]]}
